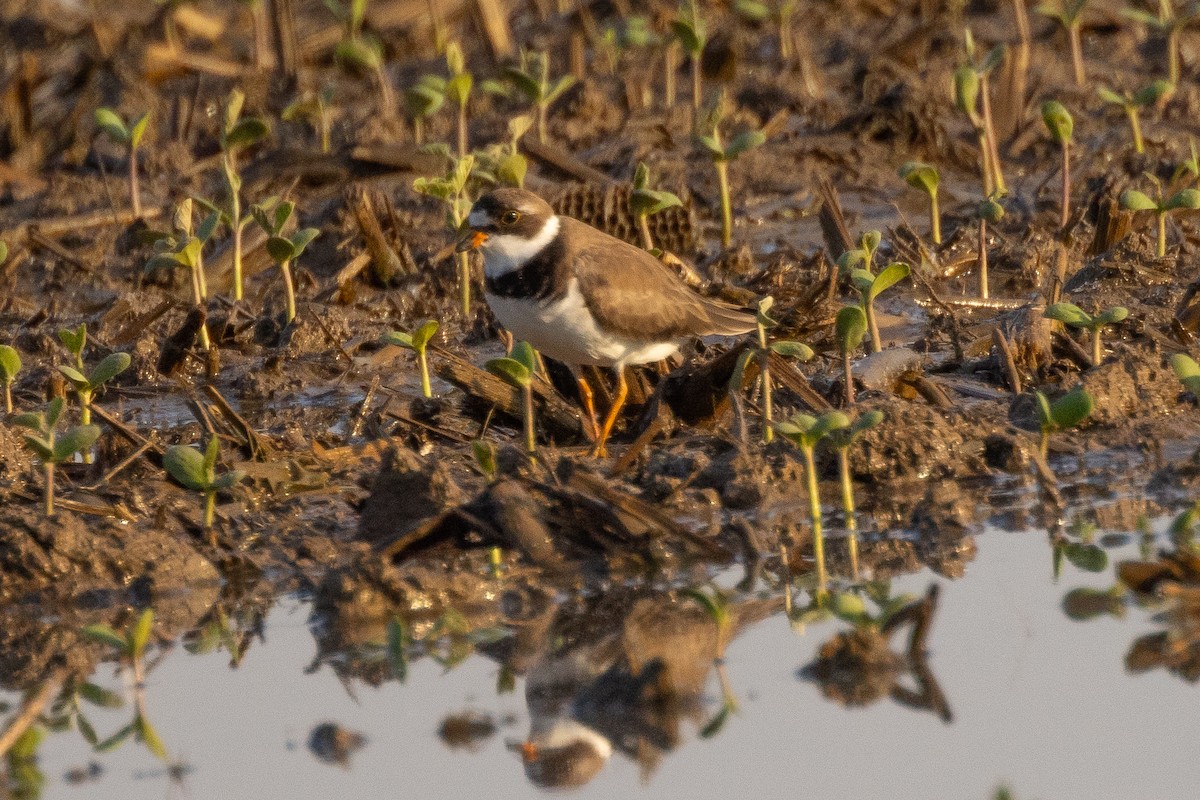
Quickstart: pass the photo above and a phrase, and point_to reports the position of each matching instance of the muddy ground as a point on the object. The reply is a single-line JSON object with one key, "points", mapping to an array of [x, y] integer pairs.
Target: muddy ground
{"points": [[366, 495]]}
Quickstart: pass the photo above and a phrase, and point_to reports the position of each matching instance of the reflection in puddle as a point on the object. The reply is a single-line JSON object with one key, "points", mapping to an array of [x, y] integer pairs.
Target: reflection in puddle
{"points": [[646, 688]]}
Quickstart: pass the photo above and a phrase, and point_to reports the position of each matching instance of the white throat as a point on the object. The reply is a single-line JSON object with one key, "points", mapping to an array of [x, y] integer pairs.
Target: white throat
{"points": [[505, 252]]}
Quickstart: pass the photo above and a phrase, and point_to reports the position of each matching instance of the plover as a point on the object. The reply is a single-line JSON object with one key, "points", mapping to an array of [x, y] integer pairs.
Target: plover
{"points": [[583, 297]]}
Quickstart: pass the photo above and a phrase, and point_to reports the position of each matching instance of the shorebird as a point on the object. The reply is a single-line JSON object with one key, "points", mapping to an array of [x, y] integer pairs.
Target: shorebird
{"points": [[583, 297]]}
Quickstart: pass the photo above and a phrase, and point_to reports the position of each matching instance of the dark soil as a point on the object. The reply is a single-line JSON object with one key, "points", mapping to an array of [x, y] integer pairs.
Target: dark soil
{"points": [[366, 495]]}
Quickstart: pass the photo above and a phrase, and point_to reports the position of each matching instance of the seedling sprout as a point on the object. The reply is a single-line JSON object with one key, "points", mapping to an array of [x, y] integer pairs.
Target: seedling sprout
{"points": [[51, 448], [237, 133], [787, 349], [452, 190], [316, 107], [851, 327], [532, 79], [424, 99], [1068, 14], [86, 386], [1074, 316], [970, 88], [458, 89], [198, 471], [1066, 412], [1186, 200], [991, 211], [129, 136], [418, 342], [925, 178], [517, 370], [721, 155], [1061, 126], [645, 202], [1132, 104], [10, 365], [842, 439], [1166, 22], [360, 51], [284, 249], [857, 265], [689, 28]]}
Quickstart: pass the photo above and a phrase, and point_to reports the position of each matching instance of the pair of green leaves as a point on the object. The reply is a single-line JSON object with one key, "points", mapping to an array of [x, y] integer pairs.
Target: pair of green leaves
{"points": [[1065, 11], [1076, 317], [426, 97], [689, 28], [416, 341], [283, 249], [805, 430], [129, 135], [197, 470], [1134, 200], [74, 340], [450, 187], [532, 79], [10, 363], [132, 644], [109, 367], [1066, 412], [516, 369], [238, 132], [743, 142], [1146, 96], [870, 285], [646, 202], [49, 448], [1188, 372]]}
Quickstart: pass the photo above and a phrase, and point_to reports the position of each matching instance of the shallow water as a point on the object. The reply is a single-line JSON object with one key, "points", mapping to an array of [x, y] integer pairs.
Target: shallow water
{"points": [[1040, 703]]}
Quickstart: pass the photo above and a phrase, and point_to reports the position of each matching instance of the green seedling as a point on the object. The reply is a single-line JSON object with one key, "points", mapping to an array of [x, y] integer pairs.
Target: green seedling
{"points": [[806, 432], [1076, 317], [925, 178], [317, 109], [857, 265], [517, 370], [130, 137], [284, 249], [1183, 527], [51, 448], [484, 455], [10, 365], [458, 90], [130, 646], [362, 52], [87, 385], [721, 154], [185, 248], [1062, 127], [1066, 412], [532, 79], [452, 190], [787, 349], [842, 439], [645, 202], [424, 99], [989, 211], [691, 32], [850, 327], [1168, 24], [1186, 200], [1188, 372], [1069, 14], [1189, 167], [237, 133], [501, 162], [1077, 545], [1132, 104], [972, 97], [418, 342], [198, 471]]}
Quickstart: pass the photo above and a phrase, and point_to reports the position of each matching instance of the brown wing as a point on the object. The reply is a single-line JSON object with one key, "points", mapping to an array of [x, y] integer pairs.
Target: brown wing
{"points": [[631, 293]]}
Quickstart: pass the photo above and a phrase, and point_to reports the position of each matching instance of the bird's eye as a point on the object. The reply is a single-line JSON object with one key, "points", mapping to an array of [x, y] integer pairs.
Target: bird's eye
{"points": [[510, 217]]}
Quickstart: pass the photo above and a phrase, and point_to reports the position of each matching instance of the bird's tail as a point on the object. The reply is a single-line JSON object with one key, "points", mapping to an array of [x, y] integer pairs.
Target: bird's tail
{"points": [[727, 320]]}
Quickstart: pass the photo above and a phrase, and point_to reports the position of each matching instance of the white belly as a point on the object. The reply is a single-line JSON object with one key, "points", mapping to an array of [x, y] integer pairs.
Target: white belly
{"points": [[565, 331]]}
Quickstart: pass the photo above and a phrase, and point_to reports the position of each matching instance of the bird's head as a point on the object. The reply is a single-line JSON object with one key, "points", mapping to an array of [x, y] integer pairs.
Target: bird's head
{"points": [[509, 226]]}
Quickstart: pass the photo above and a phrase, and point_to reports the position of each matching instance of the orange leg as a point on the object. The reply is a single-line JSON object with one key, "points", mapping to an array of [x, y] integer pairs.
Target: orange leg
{"points": [[589, 405], [601, 451]]}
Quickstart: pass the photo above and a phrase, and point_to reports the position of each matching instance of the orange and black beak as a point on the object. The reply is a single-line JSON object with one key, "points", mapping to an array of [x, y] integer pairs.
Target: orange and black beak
{"points": [[469, 239]]}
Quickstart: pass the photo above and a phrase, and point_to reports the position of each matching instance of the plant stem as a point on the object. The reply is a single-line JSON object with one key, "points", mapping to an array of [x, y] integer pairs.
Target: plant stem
{"points": [[990, 136], [848, 507], [210, 507], [8, 397], [530, 438], [872, 326], [1173, 55], [387, 99], [983, 259], [462, 129], [426, 389], [1097, 349], [670, 65], [726, 206], [289, 289], [696, 84], [1162, 233], [464, 280], [786, 51], [643, 223], [235, 209], [848, 378], [134, 194], [325, 125], [541, 121], [935, 218], [1066, 185], [49, 501], [1139, 146], [985, 161], [814, 504], [418, 131], [1076, 52]]}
